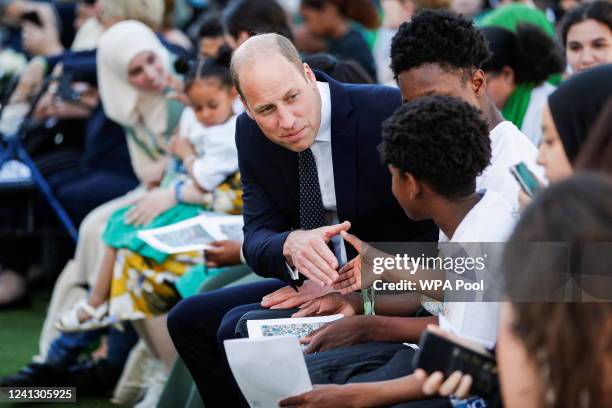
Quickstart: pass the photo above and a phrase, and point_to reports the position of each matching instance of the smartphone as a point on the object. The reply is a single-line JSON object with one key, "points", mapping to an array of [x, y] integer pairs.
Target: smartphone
{"points": [[437, 353], [32, 17], [528, 182]]}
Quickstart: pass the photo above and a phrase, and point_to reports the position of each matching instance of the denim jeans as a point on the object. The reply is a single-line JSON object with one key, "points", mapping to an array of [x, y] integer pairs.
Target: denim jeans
{"points": [[66, 348]]}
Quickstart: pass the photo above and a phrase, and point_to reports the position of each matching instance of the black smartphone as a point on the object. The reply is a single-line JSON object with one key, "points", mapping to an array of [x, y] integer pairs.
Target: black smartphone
{"points": [[437, 353], [32, 17], [528, 182]]}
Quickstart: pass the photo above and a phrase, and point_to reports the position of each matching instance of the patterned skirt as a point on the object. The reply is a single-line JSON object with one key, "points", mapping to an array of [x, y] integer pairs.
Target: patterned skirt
{"points": [[142, 288]]}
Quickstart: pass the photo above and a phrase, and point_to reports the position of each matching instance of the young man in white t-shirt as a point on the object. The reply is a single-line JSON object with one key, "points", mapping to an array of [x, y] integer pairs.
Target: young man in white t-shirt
{"points": [[435, 148], [441, 53]]}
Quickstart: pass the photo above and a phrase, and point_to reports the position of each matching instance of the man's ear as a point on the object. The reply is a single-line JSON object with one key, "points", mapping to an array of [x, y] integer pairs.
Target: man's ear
{"points": [[479, 82], [310, 75], [246, 108], [413, 186]]}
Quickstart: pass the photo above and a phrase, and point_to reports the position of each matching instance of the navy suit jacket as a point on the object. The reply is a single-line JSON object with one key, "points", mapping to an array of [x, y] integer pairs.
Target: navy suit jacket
{"points": [[363, 184]]}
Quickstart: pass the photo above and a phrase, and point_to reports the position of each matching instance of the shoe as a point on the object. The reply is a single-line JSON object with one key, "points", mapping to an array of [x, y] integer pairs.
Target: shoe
{"points": [[93, 378], [98, 318], [36, 375], [131, 385], [154, 383]]}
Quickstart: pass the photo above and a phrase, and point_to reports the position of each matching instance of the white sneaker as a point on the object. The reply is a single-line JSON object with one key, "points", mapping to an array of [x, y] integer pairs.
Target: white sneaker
{"points": [[155, 382]]}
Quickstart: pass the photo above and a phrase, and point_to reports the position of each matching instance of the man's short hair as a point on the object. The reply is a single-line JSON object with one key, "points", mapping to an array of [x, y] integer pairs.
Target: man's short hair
{"points": [[438, 37], [440, 140], [262, 45]]}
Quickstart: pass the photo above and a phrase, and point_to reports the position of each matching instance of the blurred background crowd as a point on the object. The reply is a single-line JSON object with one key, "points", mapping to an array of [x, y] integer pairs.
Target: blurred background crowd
{"points": [[95, 144]]}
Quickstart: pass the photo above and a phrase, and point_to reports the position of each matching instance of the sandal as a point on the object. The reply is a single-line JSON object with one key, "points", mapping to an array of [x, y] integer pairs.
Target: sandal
{"points": [[98, 318]]}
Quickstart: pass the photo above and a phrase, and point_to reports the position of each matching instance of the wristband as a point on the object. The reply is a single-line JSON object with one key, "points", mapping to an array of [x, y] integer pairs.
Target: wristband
{"points": [[178, 193], [368, 301]]}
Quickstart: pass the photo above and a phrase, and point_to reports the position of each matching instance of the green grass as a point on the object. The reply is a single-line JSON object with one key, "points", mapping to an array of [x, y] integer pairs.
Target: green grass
{"points": [[19, 331]]}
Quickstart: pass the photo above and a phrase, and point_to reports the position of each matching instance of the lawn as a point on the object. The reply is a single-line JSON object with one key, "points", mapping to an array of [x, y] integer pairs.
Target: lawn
{"points": [[19, 331]]}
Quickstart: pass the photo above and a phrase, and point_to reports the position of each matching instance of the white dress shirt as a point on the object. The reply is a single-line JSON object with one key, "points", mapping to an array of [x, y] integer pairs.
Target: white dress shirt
{"points": [[322, 151]]}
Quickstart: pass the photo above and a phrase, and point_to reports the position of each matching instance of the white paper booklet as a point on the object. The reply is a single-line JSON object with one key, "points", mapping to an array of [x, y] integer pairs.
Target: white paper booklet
{"points": [[298, 326], [268, 369], [194, 234]]}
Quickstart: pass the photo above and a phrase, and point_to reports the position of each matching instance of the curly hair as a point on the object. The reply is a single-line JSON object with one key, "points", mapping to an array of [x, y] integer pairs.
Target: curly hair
{"points": [[531, 53], [438, 37], [440, 140]]}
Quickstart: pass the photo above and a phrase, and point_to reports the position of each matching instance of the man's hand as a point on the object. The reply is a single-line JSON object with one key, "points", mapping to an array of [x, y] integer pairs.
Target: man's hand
{"points": [[309, 253], [330, 304], [150, 206], [223, 253], [288, 298], [342, 332], [327, 396]]}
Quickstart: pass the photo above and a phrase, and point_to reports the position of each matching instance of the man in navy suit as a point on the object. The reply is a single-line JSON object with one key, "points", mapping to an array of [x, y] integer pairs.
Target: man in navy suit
{"points": [[307, 149]]}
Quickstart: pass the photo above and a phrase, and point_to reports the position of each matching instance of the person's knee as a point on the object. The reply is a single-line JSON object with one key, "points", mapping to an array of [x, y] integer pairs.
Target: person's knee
{"points": [[181, 318]]}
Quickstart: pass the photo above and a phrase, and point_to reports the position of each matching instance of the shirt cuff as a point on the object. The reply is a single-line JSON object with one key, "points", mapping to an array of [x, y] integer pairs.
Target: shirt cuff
{"points": [[295, 275]]}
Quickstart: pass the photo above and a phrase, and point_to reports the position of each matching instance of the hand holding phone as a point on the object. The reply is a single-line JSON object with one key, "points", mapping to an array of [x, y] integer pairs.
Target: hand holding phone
{"points": [[528, 182], [438, 352]]}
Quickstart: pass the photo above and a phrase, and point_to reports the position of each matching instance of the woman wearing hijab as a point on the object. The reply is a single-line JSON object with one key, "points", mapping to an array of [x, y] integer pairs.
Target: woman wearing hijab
{"points": [[567, 119]]}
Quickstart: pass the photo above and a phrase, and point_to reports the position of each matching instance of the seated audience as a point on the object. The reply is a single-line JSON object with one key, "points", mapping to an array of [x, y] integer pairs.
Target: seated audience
{"points": [[330, 21], [206, 148], [290, 120]]}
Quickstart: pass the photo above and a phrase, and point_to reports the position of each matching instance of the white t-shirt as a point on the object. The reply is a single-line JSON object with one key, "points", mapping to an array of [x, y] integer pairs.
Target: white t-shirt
{"points": [[509, 146], [532, 121], [215, 147], [490, 221]]}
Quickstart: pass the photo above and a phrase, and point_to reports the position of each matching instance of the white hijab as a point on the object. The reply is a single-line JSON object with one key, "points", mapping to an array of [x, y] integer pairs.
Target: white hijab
{"points": [[122, 102]]}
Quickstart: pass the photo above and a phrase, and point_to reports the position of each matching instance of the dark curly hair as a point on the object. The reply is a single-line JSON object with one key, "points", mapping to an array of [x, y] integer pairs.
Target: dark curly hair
{"points": [[531, 53], [440, 140], [438, 37]]}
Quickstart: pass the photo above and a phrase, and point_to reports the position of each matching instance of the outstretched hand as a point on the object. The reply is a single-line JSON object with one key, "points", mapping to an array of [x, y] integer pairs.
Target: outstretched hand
{"points": [[349, 279], [308, 252]]}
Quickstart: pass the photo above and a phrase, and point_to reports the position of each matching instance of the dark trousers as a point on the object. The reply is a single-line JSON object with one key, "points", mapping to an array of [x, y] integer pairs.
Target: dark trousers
{"points": [[354, 365], [199, 325]]}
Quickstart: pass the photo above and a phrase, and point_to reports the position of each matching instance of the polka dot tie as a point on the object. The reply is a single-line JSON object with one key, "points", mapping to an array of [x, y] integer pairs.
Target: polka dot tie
{"points": [[312, 213]]}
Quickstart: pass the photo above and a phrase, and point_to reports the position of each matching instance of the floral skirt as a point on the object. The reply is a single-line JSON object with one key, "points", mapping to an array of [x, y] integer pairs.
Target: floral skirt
{"points": [[142, 288]]}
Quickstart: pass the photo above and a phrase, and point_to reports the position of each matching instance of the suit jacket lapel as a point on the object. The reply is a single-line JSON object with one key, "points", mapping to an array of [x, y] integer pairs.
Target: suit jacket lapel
{"points": [[344, 150]]}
